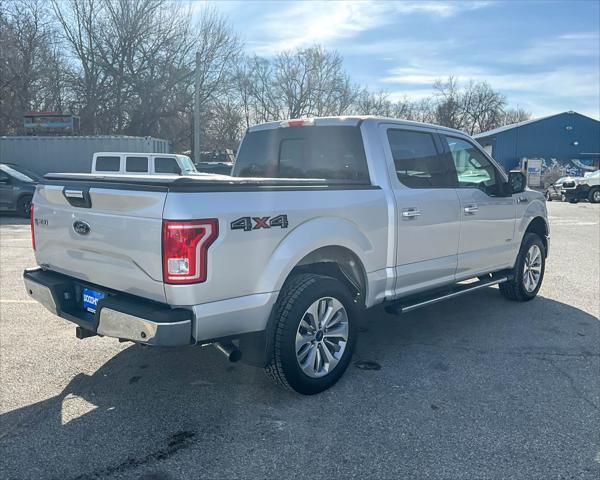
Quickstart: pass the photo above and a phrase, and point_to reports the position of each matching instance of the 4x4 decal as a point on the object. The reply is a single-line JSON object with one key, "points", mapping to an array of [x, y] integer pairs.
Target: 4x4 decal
{"points": [[256, 223]]}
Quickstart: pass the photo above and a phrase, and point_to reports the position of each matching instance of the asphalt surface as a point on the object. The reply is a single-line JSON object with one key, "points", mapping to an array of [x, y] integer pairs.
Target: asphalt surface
{"points": [[473, 388]]}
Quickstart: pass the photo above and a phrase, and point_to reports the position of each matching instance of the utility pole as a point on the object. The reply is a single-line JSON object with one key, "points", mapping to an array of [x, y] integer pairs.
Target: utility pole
{"points": [[197, 135]]}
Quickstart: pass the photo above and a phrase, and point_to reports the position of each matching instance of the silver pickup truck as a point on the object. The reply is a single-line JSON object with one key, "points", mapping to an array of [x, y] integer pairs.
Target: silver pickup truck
{"points": [[321, 219]]}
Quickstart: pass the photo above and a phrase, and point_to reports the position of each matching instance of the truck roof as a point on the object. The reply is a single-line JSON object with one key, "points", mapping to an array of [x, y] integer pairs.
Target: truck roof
{"points": [[143, 154], [350, 120]]}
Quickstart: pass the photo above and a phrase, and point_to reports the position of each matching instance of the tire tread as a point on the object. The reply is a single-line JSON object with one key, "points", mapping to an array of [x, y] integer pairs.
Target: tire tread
{"points": [[292, 291]]}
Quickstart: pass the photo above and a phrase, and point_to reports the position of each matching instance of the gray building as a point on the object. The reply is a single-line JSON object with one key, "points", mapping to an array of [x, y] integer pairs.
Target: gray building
{"points": [[44, 154], [568, 143]]}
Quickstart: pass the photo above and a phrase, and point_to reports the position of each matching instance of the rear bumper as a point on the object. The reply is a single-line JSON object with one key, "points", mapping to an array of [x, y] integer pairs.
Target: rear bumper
{"points": [[118, 315]]}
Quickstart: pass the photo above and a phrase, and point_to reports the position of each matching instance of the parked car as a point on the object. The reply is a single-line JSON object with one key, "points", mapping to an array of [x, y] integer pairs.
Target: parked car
{"points": [[221, 168], [553, 192], [17, 185], [127, 163], [322, 218], [582, 188]]}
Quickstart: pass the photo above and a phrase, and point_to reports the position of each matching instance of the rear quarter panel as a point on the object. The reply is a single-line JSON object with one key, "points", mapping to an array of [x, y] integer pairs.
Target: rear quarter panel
{"points": [[258, 261]]}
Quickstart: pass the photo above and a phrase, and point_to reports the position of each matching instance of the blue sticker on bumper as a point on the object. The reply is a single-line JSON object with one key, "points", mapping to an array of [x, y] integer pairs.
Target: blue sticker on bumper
{"points": [[90, 299]]}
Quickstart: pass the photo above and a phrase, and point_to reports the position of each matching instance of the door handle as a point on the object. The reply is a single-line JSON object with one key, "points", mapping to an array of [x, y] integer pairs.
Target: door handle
{"points": [[471, 209], [410, 213], [522, 199]]}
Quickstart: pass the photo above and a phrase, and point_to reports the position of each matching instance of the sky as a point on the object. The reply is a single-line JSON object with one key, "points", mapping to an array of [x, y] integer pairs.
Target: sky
{"points": [[544, 56]]}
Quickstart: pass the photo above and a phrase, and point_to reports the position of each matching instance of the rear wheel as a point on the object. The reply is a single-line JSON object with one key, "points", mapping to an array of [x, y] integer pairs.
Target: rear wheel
{"points": [[594, 195], [314, 335], [528, 272], [24, 206]]}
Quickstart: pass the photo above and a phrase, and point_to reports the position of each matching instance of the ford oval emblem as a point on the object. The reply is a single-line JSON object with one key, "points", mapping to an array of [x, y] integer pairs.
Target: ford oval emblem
{"points": [[80, 227]]}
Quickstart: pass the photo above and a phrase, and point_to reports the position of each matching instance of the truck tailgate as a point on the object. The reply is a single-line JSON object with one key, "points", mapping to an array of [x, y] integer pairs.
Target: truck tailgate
{"points": [[107, 236]]}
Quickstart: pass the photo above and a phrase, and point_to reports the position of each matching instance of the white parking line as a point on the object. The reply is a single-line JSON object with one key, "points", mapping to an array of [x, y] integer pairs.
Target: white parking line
{"points": [[2, 300]]}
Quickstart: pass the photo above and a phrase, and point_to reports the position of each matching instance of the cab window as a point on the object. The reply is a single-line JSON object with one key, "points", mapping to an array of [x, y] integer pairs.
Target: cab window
{"points": [[136, 164], [418, 162], [473, 169], [108, 164]]}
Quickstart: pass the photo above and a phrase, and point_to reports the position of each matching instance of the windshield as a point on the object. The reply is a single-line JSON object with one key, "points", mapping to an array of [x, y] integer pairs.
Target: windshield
{"points": [[186, 164], [30, 178], [332, 153]]}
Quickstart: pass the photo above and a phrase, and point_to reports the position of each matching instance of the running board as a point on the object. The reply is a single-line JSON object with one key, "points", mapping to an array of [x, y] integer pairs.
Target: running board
{"points": [[409, 304]]}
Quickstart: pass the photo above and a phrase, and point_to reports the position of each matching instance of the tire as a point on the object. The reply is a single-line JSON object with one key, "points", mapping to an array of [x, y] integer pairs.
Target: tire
{"points": [[292, 314], [548, 197], [24, 206], [519, 288], [594, 195]]}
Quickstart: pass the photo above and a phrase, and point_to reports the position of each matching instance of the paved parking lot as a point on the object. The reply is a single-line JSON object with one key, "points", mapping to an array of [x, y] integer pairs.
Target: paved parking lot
{"points": [[477, 387]]}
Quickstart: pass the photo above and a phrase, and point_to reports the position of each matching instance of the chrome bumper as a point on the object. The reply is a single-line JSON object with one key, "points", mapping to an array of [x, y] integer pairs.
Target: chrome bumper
{"points": [[119, 316], [113, 323]]}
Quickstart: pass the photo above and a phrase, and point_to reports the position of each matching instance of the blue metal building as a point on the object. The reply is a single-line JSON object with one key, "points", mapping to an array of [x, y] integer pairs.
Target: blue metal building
{"points": [[568, 143]]}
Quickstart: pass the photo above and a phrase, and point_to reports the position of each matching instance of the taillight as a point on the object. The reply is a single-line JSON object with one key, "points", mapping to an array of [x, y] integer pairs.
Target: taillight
{"points": [[31, 223], [185, 246]]}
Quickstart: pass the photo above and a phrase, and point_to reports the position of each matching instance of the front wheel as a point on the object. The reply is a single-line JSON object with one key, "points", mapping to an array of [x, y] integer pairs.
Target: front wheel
{"points": [[594, 195], [528, 272], [314, 335], [24, 206]]}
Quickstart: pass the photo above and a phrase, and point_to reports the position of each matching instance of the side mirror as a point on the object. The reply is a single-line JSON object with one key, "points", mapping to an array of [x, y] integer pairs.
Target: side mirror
{"points": [[516, 182]]}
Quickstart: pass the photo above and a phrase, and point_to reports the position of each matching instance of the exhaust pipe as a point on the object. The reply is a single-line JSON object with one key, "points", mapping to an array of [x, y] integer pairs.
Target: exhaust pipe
{"points": [[229, 350]]}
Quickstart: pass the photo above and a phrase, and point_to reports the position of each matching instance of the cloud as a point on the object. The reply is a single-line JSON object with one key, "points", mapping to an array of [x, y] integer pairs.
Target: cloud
{"points": [[542, 92], [441, 8], [569, 46], [300, 24]]}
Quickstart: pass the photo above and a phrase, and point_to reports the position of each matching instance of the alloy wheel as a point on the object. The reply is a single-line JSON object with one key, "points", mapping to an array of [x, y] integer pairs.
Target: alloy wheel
{"points": [[321, 337], [532, 270]]}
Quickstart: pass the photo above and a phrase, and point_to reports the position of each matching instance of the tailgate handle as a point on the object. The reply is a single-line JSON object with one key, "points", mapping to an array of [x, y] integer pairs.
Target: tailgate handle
{"points": [[73, 193], [78, 197]]}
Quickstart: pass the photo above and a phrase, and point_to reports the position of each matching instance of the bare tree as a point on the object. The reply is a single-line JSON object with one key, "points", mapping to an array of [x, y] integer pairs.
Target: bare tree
{"points": [[369, 103], [32, 68], [515, 115], [224, 125], [80, 23]]}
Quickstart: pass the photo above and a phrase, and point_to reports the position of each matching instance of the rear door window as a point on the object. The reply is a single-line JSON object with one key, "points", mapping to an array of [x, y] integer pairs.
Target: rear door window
{"points": [[108, 164], [136, 164], [320, 152], [418, 162], [166, 165]]}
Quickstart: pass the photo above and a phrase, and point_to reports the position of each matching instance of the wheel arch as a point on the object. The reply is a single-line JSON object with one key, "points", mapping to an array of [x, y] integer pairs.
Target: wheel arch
{"points": [[338, 262], [539, 226], [324, 240]]}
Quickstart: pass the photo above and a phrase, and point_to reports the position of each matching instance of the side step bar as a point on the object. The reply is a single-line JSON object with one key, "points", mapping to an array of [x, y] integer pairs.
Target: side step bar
{"points": [[409, 304]]}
